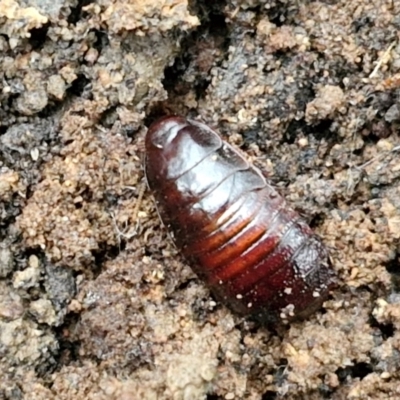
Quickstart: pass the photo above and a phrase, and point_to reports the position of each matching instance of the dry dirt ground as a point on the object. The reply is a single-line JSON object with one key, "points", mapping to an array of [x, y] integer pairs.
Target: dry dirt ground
{"points": [[95, 302]]}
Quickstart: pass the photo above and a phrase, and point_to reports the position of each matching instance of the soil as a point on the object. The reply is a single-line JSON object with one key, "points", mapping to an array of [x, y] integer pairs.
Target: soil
{"points": [[95, 301]]}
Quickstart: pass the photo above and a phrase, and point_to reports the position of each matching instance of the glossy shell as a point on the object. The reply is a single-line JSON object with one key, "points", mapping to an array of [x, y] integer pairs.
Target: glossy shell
{"points": [[256, 254]]}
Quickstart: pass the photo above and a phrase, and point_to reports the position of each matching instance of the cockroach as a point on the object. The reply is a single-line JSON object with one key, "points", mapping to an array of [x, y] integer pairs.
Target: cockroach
{"points": [[255, 253]]}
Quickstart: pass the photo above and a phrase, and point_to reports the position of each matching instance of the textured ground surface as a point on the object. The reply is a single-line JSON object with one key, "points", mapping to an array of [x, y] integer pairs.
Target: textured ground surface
{"points": [[95, 302]]}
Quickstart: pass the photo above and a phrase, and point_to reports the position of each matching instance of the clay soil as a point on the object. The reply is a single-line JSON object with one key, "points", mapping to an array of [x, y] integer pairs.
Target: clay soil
{"points": [[95, 301]]}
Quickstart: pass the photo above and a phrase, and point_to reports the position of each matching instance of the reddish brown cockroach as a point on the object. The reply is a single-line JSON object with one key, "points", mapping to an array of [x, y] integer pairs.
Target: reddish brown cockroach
{"points": [[257, 255]]}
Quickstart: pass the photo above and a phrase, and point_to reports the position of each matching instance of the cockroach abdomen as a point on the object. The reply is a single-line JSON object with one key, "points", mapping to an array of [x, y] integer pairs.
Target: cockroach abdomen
{"points": [[256, 254]]}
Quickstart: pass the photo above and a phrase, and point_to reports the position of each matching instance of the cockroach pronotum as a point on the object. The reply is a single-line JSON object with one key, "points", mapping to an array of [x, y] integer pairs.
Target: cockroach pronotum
{"points": [[256, 254]]}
